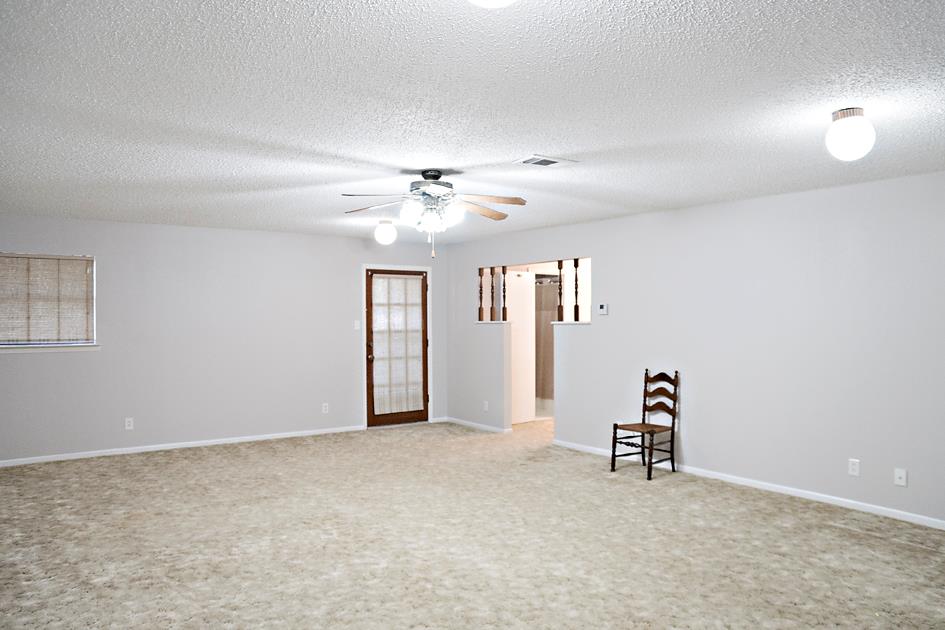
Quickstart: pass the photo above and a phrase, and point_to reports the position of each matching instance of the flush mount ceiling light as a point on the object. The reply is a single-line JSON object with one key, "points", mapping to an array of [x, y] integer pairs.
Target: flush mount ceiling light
{"points": [[851, 135], [385, 233], [492, 4]]}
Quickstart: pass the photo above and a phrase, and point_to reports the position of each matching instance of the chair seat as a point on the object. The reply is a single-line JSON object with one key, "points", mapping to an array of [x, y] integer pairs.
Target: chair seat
{"points": [[640, 427]]}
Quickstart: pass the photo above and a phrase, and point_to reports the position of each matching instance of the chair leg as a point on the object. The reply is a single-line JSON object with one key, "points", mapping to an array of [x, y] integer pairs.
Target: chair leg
{"points": [[649, 461], [613, 451], [672, 450], [643, 449]]}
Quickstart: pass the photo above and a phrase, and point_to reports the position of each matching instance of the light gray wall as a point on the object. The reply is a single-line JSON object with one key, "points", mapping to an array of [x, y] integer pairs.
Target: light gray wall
{"points": [[808, 329], [204, 334]]}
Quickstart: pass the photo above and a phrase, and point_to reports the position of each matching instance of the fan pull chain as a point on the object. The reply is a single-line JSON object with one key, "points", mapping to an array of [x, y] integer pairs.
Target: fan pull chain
{"points": [[432, 245]]}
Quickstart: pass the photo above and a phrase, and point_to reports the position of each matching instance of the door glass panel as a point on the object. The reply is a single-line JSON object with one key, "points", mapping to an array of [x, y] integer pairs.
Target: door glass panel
{"points": [[397, 324]]}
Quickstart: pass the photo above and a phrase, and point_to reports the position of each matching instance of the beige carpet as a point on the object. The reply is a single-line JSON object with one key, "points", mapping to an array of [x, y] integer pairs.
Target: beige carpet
{"points": [[437, 526]]}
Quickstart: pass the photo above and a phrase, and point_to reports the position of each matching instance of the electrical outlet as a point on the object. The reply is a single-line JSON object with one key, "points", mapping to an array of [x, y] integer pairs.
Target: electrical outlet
{"points": [[853, 467], [324, 407], [129, 424], [900, 477], [485, 405]]}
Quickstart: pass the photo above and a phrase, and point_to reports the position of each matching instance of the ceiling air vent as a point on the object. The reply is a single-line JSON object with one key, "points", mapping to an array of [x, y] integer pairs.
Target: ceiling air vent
{"points": [[544, 160]]}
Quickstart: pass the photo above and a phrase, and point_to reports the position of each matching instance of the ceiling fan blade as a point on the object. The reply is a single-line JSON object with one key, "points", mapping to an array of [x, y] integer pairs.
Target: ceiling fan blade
{"points": [[489, 213], [371, 195], [380, 205], [511, 201]]}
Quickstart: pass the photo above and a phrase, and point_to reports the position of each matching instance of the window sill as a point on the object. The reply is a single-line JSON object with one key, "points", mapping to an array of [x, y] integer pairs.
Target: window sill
{"points": [[495, 322], [85, 347], [570, 323]]}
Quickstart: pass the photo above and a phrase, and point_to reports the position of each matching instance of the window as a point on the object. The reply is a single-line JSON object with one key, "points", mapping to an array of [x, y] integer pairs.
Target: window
{"points": [[47, 300]]}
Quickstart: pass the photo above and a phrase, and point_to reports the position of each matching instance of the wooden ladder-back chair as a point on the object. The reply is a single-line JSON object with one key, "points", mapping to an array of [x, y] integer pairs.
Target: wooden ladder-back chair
{"points": [[639, 430]]}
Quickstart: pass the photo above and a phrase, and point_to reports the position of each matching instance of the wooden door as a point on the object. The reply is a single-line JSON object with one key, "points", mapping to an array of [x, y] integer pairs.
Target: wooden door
{"points": [[396, 351]]}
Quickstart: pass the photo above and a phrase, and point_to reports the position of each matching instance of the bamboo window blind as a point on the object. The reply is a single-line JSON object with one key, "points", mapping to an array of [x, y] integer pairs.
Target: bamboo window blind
{"points": [[46, 300]]}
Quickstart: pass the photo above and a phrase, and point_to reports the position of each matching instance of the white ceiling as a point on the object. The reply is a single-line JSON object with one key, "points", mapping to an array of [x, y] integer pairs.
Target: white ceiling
{"points": [[259, 114]]}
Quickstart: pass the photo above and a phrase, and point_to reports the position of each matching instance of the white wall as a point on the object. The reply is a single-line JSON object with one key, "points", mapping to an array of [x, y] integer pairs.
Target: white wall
{"points": [[482, 391], [807, 328], [205, 334]]}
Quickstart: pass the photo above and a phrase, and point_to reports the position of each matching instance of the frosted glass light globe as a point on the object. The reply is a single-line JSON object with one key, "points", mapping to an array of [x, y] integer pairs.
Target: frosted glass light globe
{"points": [[492, 4], [851, 135], [453, 214], [431, 222], [385, 233], [410, 211]]}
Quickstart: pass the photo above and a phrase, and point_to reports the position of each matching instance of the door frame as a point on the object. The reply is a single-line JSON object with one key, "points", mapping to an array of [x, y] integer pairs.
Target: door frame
{"points": [[363, 323]]}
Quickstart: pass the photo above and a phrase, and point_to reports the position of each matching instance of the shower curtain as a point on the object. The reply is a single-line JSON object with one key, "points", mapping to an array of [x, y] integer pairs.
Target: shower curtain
{"points": [[546, 306]]}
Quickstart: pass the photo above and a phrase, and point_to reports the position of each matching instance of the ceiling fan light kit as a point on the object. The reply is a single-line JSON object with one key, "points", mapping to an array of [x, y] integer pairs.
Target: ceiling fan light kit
{"points": [[432, 206]]}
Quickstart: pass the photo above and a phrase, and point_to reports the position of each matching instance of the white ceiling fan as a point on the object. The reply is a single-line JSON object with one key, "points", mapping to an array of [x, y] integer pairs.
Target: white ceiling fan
{"points": [[432, 206]]}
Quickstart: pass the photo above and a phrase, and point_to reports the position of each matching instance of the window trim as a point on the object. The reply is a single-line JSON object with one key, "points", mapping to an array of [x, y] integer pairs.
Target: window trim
{"points": [[59, 346], [23, 348]]}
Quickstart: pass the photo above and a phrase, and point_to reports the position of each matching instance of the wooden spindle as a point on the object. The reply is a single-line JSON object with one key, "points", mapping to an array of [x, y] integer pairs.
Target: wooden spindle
{"points": [[481, 310], [560, 294], [492, 295], [577, 309], [505, 310]]}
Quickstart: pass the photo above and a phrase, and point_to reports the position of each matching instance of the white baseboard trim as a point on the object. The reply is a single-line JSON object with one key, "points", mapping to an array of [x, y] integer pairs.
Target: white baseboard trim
{"points": [[910, 517], [128, 450], [471, 425], [581, 447]]}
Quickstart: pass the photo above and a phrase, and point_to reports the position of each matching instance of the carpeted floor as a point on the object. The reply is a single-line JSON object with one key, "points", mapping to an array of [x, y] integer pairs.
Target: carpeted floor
{"points": [[438, 526]]}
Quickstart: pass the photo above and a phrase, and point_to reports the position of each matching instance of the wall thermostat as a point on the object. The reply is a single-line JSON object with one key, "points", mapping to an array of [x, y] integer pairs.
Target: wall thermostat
{"points": [[601, 309]]}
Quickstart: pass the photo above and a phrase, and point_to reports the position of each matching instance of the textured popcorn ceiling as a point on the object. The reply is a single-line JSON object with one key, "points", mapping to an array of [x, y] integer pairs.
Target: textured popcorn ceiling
{"points": [[258, 114]]}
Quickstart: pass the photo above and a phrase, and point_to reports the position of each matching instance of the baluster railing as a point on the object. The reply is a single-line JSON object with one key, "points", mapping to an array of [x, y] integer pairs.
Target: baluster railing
{"points": [[481, 310], [505, 309], [560, 294], [492, 295], [577, 309]]}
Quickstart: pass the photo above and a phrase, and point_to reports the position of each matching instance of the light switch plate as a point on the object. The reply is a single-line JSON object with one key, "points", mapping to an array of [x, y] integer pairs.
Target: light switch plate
{"points": [[602, 309], [900, 477]]}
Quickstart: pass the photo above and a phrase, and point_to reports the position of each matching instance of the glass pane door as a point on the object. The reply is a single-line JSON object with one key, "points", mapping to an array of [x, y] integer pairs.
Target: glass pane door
{"points": [[397, 347]]}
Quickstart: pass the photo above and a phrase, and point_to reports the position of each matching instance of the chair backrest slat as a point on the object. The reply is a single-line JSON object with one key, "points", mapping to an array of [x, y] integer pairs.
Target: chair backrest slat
{"points": [[661, 391], [662, 377], [661, 406]]}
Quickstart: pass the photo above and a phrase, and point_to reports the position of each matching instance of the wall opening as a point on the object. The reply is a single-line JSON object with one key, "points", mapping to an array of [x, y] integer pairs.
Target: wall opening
{"points": [[531, 298]]}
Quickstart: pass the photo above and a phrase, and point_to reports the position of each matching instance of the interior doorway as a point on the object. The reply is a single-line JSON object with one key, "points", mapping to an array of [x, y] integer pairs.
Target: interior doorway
{"points": [[546, 304], [535, 297], [532, 301], [396, 347]]}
